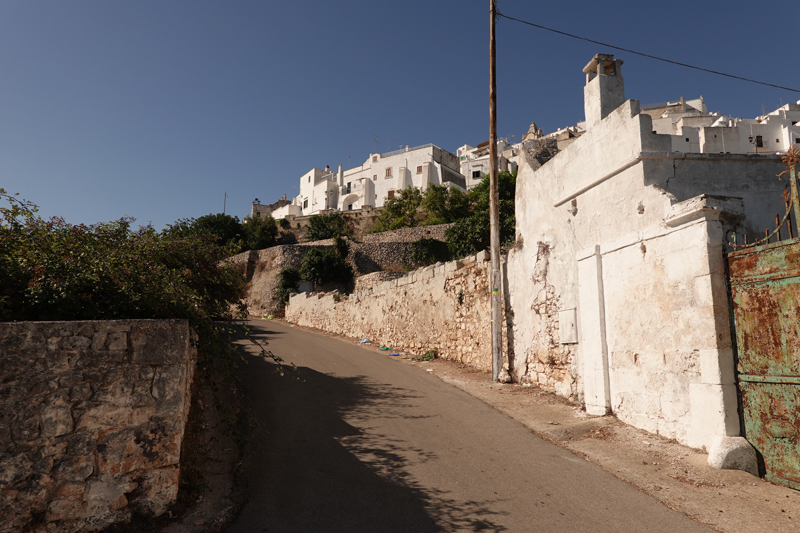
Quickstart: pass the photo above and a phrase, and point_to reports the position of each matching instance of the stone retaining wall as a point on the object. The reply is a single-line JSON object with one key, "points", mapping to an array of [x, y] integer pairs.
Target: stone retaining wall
{"points": [[92, 415], [262, 267], [444, 306], [409, 234]]}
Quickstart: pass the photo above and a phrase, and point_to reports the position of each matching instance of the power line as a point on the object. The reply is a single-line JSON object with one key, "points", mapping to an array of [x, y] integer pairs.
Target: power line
{"points": [[498, 14]]}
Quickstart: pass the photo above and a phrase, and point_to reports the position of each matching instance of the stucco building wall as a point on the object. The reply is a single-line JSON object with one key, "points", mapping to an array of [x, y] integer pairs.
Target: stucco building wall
{"points": [[627, 236]]}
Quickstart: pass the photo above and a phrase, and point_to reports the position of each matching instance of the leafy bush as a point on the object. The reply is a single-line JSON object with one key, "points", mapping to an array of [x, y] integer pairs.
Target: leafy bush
{"points": [[259, 233], [288, 281], [253, 233], [324, 265], [341, 246], [471, 234], [400, 211], [442, 205], [285, 224], [321, 227], [429, 251]]}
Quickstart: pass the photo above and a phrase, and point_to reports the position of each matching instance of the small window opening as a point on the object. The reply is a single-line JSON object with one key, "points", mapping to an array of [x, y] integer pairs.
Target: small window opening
{"points": [[759, 141], [419, 169]]}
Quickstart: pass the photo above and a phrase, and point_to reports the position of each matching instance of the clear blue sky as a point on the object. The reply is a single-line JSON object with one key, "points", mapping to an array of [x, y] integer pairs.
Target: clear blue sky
{"points": [[154, 109]]}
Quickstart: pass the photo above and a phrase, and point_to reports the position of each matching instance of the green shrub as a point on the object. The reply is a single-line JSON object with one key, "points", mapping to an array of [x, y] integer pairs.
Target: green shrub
{"points": [[324, 265], [341, 246], [429, 251], [321, 227], [288, 281]]}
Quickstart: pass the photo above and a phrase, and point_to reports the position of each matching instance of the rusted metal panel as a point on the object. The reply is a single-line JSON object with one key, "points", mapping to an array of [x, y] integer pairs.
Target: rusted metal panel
{"points": [[764, 280], [766, 313], [772, 425]]}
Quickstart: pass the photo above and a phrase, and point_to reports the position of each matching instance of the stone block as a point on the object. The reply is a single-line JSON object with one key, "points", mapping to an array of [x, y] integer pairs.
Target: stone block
{"points": [[159, 489], [75, 342], [14, 468], [26, 425], [56, 420], [169, 390], [733, 453], [155, 444], [159, 342], [106, 495], [107, 416], [73, 467]]}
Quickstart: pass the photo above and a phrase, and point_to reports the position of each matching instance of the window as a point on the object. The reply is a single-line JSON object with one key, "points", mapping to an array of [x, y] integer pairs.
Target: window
{"points": [[349, 207], [777, 141], [759, 141], [305, 203], [390, 195], [419, 169], [309, 179], [374, 158], [687, 139], [374, 177], [797, 141], [389, 172], [476, 174]]}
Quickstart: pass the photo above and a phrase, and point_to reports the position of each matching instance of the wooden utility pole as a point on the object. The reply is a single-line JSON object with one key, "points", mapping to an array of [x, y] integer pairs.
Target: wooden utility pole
{"points": [[494, 209]]}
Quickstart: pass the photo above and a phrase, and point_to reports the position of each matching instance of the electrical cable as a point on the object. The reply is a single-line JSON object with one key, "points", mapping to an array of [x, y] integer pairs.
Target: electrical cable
{"points": [[501, 15]]}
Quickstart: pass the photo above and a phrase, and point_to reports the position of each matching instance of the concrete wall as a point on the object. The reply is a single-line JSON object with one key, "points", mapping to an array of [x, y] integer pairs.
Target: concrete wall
{"points": [[92, 415], [445, 306]]}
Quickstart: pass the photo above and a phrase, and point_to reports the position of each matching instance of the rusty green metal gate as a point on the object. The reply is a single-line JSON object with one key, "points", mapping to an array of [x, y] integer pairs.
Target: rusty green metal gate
{"points": [[764, 281]]}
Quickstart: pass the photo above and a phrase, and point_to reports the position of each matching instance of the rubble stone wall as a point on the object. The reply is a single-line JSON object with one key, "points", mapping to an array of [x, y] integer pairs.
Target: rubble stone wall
{"points": [[262, 267], [409, 234], [92, 415], [444, 306]]}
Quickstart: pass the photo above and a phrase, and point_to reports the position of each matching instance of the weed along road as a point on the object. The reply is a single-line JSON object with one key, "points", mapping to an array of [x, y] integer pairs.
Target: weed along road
{"points": [[361, 441]]}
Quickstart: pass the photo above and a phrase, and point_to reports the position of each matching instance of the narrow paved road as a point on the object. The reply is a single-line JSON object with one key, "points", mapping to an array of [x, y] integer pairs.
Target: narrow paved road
{"points": [[362, 442]]}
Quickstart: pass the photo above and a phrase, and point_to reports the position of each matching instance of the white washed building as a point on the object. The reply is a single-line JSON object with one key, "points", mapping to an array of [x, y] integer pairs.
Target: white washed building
{"points": [[474, 161], [617, 280], [371, 184]]}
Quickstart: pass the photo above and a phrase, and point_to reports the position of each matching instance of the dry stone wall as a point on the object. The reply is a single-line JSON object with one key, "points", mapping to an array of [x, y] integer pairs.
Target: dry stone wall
{"points": [[92, 415], [444, 306], [409, 234], [262, 267]]}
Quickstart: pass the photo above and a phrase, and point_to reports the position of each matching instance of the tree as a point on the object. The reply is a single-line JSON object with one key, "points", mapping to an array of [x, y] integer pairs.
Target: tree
{"points": [[400, 211], [259, 233], [325, 265], [321, 227], [471, 234], [442, 205], [224, 229]]}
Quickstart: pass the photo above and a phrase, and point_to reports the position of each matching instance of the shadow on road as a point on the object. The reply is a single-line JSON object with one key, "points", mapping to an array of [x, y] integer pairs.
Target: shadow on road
{"points": [[316, 461]]}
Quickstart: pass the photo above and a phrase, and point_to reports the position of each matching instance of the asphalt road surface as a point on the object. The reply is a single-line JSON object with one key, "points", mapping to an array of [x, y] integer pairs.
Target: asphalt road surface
{"points": [[363, 442]]}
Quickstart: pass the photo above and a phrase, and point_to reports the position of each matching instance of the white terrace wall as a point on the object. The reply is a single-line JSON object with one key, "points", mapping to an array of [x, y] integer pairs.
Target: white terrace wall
{"points": [[445, 306], [92, 415]]}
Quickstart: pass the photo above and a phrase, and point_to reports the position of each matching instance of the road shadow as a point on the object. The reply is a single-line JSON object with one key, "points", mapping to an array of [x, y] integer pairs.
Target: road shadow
{"points": [[307, 469]]}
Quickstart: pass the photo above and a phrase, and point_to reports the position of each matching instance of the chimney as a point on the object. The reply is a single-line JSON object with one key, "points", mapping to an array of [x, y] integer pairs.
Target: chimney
{"points": [[605, 88], [327, 168], [341, 177]]}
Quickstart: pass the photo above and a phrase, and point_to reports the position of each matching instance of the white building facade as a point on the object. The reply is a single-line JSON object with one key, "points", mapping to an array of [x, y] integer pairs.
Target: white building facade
{"points": [[622, 234], [371, 184]]}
